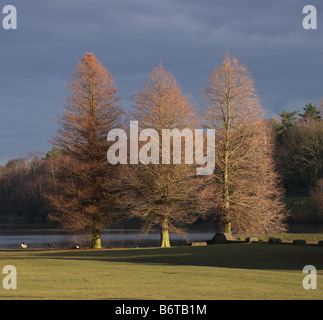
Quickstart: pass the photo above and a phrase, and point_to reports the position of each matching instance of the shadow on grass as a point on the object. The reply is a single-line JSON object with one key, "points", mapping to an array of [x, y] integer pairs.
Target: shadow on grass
{"points": [[243, 256]]}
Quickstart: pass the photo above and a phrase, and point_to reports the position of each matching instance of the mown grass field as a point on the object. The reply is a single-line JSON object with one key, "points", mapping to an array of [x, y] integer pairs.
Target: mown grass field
{"points": [[228, 271]]}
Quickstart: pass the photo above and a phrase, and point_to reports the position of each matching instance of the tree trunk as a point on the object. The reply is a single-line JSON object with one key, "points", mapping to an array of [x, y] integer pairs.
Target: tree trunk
{"points": [[96, 241], [226, 194], [164, 243], [227, 227]]}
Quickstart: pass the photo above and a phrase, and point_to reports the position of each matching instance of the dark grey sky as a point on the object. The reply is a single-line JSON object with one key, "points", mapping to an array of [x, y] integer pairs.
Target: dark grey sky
{"points": [[131, 36]]}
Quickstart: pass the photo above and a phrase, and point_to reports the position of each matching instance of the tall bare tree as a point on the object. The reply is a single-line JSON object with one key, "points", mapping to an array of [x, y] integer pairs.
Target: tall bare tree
{"points": [[243, 192], [83, 200], [162, 194]]}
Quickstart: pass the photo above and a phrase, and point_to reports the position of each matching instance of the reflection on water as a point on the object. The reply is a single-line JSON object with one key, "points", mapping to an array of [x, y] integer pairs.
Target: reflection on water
{"points": [[41, 237], [37, 237]]}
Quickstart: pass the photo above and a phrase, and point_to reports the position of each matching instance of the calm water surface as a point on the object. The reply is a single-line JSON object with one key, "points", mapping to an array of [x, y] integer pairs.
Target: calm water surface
{"points": [[37, 237], [12, 236]]}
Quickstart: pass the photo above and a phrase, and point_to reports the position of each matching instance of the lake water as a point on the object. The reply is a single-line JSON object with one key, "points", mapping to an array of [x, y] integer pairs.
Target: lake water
{"points": [[39, 237], [36, 237]]}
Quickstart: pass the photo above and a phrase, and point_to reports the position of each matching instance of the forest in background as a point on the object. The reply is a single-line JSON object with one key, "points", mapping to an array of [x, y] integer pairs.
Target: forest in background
{"points": [[295, 138], [299, 161]]}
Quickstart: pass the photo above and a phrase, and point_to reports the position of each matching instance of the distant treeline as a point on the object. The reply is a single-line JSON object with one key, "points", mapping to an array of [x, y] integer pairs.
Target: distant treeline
{"points": [[299, 158], [23, 183], [300, 149]]}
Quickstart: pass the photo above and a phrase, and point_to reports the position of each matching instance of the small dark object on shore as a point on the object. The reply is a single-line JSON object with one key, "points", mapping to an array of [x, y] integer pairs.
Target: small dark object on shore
{"points": [[274, 240], [299, 242], [221, 238]]}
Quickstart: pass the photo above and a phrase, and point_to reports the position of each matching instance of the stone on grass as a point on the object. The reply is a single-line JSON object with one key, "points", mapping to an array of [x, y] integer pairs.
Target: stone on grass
{"points": [[274, 240], [299, 242], [198, 244], [221, 237], [251, 239]]}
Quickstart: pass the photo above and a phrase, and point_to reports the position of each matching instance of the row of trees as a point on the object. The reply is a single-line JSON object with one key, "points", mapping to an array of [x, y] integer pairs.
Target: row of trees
{"points": [[300, 149], [23, 183], [84, 192]]}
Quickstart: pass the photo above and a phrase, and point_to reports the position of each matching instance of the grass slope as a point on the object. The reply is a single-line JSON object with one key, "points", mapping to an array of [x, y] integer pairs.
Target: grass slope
{"points": [[229, 271]]}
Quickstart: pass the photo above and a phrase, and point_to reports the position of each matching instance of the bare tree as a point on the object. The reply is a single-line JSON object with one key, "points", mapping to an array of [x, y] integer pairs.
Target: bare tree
{"points": [[243, 192], [160, 194], [83, 200], [22, 184]]}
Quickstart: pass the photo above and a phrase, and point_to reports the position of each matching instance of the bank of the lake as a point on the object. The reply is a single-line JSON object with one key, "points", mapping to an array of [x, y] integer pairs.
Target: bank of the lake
{"points": [[234, 271]]}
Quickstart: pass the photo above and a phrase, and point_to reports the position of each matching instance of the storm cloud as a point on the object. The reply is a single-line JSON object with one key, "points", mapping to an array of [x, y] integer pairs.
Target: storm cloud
{"points": [[130, 37]]}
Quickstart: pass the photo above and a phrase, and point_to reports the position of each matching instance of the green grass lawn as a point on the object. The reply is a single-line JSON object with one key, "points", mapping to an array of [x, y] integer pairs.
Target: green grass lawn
{"points": [[228, 271]]}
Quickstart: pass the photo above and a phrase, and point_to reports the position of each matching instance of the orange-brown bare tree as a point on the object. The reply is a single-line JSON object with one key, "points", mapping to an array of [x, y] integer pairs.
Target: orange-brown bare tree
{"points": [[243, 193], [83, 200], [160, 194]]}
